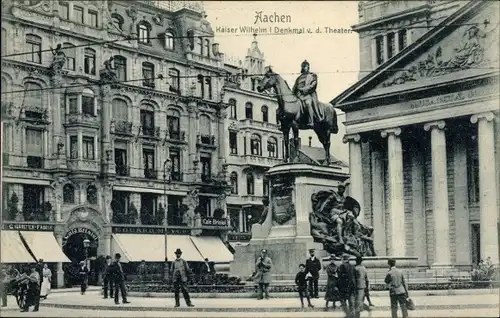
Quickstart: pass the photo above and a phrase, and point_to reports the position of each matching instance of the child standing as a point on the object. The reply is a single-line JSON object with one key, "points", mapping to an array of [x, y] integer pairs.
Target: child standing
{"points": [[301, 282]]}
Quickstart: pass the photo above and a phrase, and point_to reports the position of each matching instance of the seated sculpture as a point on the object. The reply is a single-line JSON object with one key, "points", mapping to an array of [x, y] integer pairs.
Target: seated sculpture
{"points": [[333, 223]]}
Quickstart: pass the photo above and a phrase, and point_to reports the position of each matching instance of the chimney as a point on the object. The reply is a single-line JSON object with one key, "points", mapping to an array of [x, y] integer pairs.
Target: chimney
{"points": [[310, 140]]}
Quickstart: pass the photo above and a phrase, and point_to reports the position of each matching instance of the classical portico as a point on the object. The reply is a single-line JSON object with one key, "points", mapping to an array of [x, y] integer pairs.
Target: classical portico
{"points": [[431, 133]]}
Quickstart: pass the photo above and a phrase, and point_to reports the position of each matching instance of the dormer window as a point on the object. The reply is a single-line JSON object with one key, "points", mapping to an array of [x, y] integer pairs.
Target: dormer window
{"points": [[169, 40], [143, 31], [117, 20]]}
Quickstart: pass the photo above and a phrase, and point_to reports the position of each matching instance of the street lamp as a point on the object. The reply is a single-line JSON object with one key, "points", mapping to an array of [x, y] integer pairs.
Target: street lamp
{"points": [[167, 167], [86, 245]]}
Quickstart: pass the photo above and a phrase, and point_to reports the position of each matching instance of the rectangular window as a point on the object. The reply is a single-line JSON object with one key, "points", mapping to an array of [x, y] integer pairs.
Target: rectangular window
{"points": [[174, 80], [78, 14], [64, 11], [121, 68], [205, 206], [148, 158], [233, 142], [89, 62], [88, 105], [73, 147], [173, 127], [73, 105], [93, 18], [148, 75], [175, 158], [175, 214], [147, 122], [121, 162], [379, 41], [206, 167], [88, 148], [34, 47], [208, 88], [33, 199], [34, 148]]}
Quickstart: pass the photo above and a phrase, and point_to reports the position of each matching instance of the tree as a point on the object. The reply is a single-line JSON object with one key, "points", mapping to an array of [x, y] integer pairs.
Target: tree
{"points": [[12, 210], [132, 214]]}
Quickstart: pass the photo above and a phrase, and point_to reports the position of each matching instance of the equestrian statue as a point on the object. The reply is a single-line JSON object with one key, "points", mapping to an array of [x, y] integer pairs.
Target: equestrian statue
{"points": [[299, 109]]}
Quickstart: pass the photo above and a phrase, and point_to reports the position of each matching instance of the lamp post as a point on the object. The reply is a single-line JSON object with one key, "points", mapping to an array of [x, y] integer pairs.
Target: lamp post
{"points": [[86, 245], [167, 167]]}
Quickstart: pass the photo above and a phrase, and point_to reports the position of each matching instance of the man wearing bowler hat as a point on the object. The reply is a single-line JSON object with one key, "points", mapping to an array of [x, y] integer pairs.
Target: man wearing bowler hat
{"points": [[180, 271], [263, 273], [313, 267]]}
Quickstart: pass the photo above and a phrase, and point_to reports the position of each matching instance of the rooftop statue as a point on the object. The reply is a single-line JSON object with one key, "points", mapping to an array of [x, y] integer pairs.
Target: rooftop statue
{"points": [[333, 223], [299, 109]]}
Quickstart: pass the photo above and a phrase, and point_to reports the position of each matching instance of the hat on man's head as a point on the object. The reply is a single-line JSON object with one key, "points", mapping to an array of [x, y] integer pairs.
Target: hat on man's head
{"points": [[333, 257], [178, 251], [263, 250], [305, 63], [118, 255], [346, 257], [341, 186], [311, 250], [82, 262]]}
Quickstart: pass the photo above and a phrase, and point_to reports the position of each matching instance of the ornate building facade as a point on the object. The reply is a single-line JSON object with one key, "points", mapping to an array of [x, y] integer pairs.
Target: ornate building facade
{"points": [[112, 117], [423, 129]]}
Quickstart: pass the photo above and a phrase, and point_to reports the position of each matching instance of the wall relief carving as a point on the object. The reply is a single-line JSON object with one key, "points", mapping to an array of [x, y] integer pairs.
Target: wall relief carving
{"points": [[470, 52], [282, 205]]}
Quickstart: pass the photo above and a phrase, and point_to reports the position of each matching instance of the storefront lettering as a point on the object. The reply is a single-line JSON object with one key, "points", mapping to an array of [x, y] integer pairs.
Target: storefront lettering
{"points": [[83, 230], [28, 227], [454, 97], [149, 230], [213, 221]]}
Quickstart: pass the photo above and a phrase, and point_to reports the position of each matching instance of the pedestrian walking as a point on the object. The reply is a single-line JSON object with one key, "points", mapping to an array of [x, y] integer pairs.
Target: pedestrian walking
{"points": [[84, 277], [332, 290], [119, 280], [263, 274], [33, 293], [180, 271], [313, 267], [108, 281], [4, 280], [397, 289], [46, 281], [361, 285], [301, 282], [142, 271], [347, 286]]}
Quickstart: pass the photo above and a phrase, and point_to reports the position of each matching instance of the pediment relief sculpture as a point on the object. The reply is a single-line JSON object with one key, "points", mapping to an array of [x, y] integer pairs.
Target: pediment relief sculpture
{"points": [[477, 47]]}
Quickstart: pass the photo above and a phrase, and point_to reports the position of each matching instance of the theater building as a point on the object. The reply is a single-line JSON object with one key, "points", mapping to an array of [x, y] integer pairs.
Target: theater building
{"points": [[423, 130], [106, 156]]}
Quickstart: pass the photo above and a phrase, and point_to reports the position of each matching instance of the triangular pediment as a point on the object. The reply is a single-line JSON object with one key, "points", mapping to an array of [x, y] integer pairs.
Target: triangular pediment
{"points": [[463, 45]]}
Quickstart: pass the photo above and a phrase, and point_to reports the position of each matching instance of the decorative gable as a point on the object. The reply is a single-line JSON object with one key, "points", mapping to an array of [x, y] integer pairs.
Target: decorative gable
{"points": [[473, 45]]}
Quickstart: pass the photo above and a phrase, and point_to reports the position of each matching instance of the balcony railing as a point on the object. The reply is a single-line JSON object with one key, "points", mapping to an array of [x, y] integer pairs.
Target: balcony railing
{"points": [[176, 176], [254, 160], [206, 140], [150, 174], [250, 123], [122, 171], [206, 178], [177, 135], [148, 131], [83, 165], [122, 127], [34, 162], [82, 119]]}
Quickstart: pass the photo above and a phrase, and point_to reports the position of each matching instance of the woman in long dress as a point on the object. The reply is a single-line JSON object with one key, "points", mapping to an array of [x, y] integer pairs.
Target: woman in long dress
{"points": [[47, 279], [332, 291]]}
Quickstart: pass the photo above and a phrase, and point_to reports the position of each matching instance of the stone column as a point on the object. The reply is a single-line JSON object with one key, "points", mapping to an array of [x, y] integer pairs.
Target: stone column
{"points": [[374, 54], [356, 171], [440, 194], [378, 209], [192, 136], [60, 272], [418, 204], [396, 43], [386, 52], [107, 161], [57, 131], [396, 194], [487, 186], [240, 221]]}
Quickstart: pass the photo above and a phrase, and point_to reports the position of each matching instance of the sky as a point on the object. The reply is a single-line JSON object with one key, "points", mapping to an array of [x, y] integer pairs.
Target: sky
{"points": [[333, 54]]}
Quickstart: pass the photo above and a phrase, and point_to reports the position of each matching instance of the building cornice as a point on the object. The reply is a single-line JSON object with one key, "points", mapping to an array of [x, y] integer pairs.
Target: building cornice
{"points": [[249, 93], [366, 26]]}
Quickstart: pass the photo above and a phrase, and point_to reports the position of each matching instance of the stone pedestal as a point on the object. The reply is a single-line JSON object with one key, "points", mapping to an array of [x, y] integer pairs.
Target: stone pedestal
{"points": [[286, 232]]}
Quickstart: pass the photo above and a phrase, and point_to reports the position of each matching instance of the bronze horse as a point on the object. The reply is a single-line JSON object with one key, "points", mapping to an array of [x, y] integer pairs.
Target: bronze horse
{"points": [[292, 116]]}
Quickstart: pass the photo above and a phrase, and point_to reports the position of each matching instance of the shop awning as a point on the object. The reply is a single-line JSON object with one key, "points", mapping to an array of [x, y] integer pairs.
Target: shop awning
{"points": [[13, 249], [44, 246], [189, 251], [138, 247], [213, 248]]}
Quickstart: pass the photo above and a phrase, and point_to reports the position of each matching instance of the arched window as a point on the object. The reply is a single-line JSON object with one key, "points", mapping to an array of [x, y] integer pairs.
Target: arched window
{"points": [[207, 48], [117, 20], [120, 112], [250, 184], [232, 109], [143, 30], [147, 120], [34, 47], [234, 182], [272, 147], [205, 129], [148, 74], [169, 40], [68, 193], [256, 145], [33, 94], [92, 194], [248, 110], [120, 67], [265, 114], [173, 121], [89, 61], [174, 76], [69, 50], [88, 102]]}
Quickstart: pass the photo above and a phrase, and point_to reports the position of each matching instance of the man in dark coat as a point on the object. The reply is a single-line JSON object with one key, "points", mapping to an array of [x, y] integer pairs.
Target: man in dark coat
{"points": [[33, 295], [313, 267], [84, 277], [108, 279], [119, 280], [347, 286], [180, 272]]}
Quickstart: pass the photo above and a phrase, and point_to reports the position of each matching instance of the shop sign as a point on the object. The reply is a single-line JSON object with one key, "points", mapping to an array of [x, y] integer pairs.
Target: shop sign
{"points": [[83, 230], [149, 230], [28, 227], [209, 221]]}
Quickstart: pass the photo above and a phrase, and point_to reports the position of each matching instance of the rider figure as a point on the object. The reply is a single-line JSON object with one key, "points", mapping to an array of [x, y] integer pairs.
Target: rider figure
{"points": [[339, 214], [305, 90]]}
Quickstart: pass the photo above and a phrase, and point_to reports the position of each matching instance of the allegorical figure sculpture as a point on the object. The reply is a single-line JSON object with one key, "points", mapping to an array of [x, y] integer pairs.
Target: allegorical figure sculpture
{"points": [[333, 223], [108, 73], [59, 58]]}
